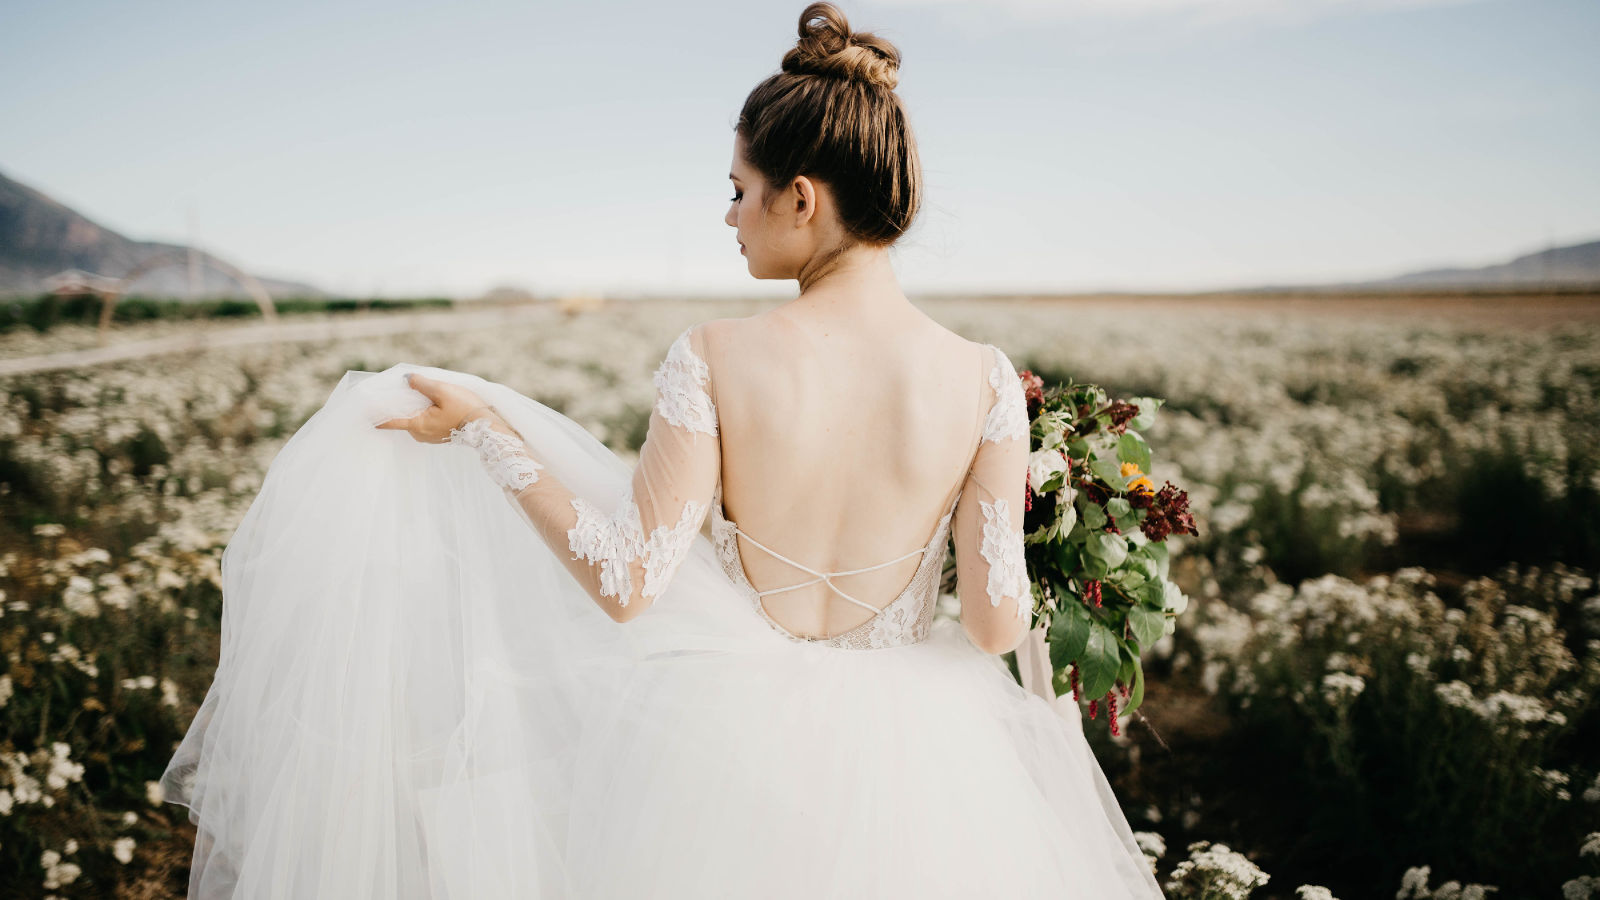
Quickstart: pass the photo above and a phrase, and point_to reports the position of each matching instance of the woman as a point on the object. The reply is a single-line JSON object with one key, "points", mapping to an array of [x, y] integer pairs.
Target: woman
{"points": [[512, 667]]}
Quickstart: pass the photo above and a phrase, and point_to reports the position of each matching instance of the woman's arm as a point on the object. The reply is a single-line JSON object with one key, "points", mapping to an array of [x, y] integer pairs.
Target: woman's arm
{"points": [[991, 570], [623, 556]]}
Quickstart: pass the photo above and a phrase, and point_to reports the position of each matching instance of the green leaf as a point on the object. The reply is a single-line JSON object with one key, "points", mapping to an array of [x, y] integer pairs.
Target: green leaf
{"points": [[1099, 662], [1123, 515], [1132, 448], [1140, 561], [1094, 515], [1067, 557], [1147, 412], [1130, 580], [1158, 552], [1110, 471], [1109, 548], [1069, 632], [1147, 624], [1067, 515], [1153, 595], [1136, 693]]}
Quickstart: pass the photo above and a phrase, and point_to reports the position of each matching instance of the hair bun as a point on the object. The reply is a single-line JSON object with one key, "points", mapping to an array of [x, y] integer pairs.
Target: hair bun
{"points": [[827, 47]]}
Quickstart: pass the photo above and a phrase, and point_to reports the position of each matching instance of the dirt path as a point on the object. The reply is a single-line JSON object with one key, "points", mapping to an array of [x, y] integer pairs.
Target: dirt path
{"points": [[288, 330]]}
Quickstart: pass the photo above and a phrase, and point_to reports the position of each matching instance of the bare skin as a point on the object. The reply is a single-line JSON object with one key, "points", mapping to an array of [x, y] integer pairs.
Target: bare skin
{"points": [[866, 379], [880, 410]]}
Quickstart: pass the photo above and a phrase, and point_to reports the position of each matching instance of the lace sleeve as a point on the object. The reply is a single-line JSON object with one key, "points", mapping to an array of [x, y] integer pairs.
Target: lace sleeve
{"points": [[635, 548], [988, 519], [626, 556]]}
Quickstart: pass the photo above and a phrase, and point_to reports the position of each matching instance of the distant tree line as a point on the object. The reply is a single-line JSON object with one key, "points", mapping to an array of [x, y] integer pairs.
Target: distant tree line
{"points": [[48, 310]]}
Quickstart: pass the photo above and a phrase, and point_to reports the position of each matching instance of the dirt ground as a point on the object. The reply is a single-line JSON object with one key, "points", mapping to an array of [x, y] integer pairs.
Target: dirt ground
{"points": [[1533, 310]]}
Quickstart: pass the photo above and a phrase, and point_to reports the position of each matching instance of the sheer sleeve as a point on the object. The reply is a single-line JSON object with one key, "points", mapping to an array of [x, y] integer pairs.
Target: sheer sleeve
{"points": [[626, 556], [991, 575]]}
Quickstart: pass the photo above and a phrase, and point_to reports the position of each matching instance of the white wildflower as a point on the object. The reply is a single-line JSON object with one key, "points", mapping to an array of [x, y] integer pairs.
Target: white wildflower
{"points": [[122, 849], [1555, 782], [1414, 883], [1457, 694], [1591, 845], [1581, 888], [1314, 892], [1151, 843], [169, 692], [62, 769], [1220, 868], [1338, 687], [1519, 707]]}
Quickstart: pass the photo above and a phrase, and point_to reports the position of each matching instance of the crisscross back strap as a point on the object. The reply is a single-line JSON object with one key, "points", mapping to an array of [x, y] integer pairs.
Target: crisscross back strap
{"points": [[824, 577]]}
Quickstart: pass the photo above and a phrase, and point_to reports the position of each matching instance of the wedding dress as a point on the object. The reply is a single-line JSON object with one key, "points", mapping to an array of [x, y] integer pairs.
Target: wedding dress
{"points": [[418, 697]]}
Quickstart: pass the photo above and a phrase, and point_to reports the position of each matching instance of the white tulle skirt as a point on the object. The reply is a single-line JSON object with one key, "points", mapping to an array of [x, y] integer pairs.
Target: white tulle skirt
{"points": [[414, 699]]}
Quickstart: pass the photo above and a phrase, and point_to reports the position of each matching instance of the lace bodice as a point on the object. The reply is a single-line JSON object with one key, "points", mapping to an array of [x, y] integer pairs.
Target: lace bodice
{"points": [[626, 555]]}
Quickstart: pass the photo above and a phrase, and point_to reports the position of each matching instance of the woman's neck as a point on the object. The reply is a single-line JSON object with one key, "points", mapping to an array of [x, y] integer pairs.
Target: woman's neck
{"points": [[859, 281]]}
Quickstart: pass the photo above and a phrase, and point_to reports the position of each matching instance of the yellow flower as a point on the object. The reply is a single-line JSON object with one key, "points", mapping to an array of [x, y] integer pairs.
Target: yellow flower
{"points": [[1138, 484]]}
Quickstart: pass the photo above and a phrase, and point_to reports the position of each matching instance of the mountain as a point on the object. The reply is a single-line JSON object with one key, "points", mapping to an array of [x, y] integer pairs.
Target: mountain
{"points": [[1577, 265], [40, 238]]}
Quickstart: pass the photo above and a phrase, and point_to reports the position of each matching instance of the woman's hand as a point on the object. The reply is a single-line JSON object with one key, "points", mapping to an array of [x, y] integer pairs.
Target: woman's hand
{"points": [[451, 405]]}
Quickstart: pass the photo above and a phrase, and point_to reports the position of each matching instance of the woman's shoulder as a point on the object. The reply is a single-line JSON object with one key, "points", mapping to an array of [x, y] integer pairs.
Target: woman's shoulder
{"points": [[760, 334]]}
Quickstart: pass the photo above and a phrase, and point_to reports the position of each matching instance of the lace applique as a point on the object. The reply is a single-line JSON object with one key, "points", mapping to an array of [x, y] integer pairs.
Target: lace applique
{"points": [[668, 546], [679, 382], [504, 456], [1002, 549], [1008, 415], [615, 541]]}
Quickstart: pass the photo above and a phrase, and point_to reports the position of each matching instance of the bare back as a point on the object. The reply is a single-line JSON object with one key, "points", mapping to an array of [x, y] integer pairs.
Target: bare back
{"points": [[842, 446]]}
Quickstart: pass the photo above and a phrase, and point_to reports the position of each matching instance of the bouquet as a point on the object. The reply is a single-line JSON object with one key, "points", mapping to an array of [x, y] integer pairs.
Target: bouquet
{"points": [[1094, 538]]}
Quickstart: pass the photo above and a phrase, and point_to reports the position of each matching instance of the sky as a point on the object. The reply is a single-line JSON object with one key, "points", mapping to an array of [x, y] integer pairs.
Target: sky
{"points": [[410, 149]]}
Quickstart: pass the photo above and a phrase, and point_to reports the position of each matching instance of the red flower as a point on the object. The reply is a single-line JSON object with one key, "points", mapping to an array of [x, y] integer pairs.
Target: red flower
{"points": [[1169, 514], [1111, 711], [1121, 413], [1091, 591], [1095, 492], [1032, 391]]}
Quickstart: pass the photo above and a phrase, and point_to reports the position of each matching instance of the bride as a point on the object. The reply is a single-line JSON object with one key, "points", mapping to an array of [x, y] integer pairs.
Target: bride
{"points": [[512, 667]]}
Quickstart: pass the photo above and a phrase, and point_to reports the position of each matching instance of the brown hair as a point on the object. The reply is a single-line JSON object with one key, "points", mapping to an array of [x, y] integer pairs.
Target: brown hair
{"points": [[831, 114]]}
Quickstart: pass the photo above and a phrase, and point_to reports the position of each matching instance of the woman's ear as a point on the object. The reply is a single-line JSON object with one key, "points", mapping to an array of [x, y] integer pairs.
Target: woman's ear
{"points": [[804, 195]]}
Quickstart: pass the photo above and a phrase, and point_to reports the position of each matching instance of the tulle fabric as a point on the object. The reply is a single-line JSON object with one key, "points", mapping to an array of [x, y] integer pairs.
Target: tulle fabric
{"points": [[415, 699]]}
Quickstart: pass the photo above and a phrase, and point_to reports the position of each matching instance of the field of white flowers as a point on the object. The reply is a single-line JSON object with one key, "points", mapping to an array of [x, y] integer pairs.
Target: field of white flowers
{"points": [[1387, 673]]}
